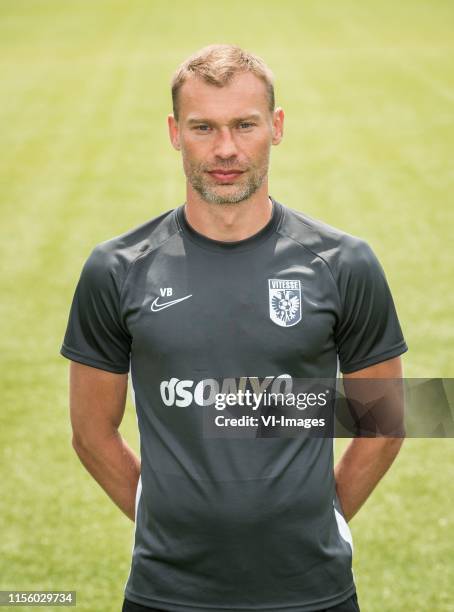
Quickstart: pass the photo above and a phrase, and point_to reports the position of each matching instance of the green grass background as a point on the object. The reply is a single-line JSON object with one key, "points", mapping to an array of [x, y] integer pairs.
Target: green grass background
{"points": [[368, 91]]}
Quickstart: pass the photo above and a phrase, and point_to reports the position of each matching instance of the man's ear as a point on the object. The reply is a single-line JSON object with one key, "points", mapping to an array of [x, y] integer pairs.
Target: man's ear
{"points": [[173, 131], [278, 126]]}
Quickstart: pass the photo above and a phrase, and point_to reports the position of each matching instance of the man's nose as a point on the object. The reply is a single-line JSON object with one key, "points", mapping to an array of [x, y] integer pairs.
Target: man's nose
{"points": [[225, 144]]}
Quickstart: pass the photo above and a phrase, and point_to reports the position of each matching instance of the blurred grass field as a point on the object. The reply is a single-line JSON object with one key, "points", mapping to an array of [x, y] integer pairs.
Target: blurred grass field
{"points": [[368, 91]]}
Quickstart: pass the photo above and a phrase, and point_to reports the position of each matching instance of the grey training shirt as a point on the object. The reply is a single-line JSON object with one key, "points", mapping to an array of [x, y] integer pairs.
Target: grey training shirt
{"points": [[232, 524]]}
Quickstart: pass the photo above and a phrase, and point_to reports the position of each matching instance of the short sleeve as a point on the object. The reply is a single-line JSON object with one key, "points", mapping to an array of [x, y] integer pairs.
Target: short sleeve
{"points": [[368, 330], [95, 333]]}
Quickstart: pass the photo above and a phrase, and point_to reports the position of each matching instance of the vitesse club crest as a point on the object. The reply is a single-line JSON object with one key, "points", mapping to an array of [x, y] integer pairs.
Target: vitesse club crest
{"points": [[285, 301]]}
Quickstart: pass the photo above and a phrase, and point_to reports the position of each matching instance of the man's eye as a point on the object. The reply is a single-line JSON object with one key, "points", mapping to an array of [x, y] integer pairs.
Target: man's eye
{"points": [[246, 124], [201, 128]]}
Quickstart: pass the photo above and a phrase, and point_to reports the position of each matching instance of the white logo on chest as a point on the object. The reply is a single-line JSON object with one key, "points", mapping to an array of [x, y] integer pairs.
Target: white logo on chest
{"points": [[284, 301], [166, 292]]}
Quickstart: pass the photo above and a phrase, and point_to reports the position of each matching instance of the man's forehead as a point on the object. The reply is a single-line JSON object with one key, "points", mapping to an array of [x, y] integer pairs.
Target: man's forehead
{"points": [[243, 96]]}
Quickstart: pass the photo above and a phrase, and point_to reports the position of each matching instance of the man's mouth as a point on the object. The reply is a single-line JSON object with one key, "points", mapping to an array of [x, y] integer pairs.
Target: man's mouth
{"points": [[225, 176]]}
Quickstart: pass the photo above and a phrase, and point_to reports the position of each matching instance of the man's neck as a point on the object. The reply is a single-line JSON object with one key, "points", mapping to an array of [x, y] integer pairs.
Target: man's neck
{"points": [[229, 222]]}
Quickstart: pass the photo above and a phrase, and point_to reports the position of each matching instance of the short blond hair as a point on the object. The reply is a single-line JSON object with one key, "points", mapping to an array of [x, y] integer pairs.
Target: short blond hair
{"points": [[216, 65]]}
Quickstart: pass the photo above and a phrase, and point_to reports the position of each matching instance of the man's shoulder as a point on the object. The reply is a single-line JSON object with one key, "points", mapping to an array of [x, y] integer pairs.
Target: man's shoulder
{"points": [[338, 248], [117, 253]]}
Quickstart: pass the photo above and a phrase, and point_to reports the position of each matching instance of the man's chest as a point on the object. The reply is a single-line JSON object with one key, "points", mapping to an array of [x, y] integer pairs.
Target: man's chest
{"points": [[203, 310]]}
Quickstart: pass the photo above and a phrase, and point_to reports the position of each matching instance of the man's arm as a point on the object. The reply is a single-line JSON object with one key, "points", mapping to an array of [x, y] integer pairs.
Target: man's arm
{"points": [[366, 460], [97, 405]]}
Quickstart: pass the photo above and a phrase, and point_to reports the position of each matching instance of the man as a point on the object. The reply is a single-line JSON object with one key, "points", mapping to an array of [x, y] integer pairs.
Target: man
{"points": [[230, 284]]}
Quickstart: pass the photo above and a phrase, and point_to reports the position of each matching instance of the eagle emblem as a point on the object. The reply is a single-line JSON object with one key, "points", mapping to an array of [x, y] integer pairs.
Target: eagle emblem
{"points": [[285, 301]]}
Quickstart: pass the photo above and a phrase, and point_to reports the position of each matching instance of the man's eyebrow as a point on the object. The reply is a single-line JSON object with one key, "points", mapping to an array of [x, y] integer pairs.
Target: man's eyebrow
{"points": [[254, 116]]}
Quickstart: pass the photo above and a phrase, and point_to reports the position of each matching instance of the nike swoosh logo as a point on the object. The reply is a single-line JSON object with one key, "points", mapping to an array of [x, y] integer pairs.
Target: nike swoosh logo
{"points": [[155, 307]]}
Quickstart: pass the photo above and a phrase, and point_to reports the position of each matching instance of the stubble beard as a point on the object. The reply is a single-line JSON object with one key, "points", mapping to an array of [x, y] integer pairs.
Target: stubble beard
{"points": [[226, 194]]}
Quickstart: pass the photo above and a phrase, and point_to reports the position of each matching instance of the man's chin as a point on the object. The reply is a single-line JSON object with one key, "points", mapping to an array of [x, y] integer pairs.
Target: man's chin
{"points": [[224, 194], [222, 199]]}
